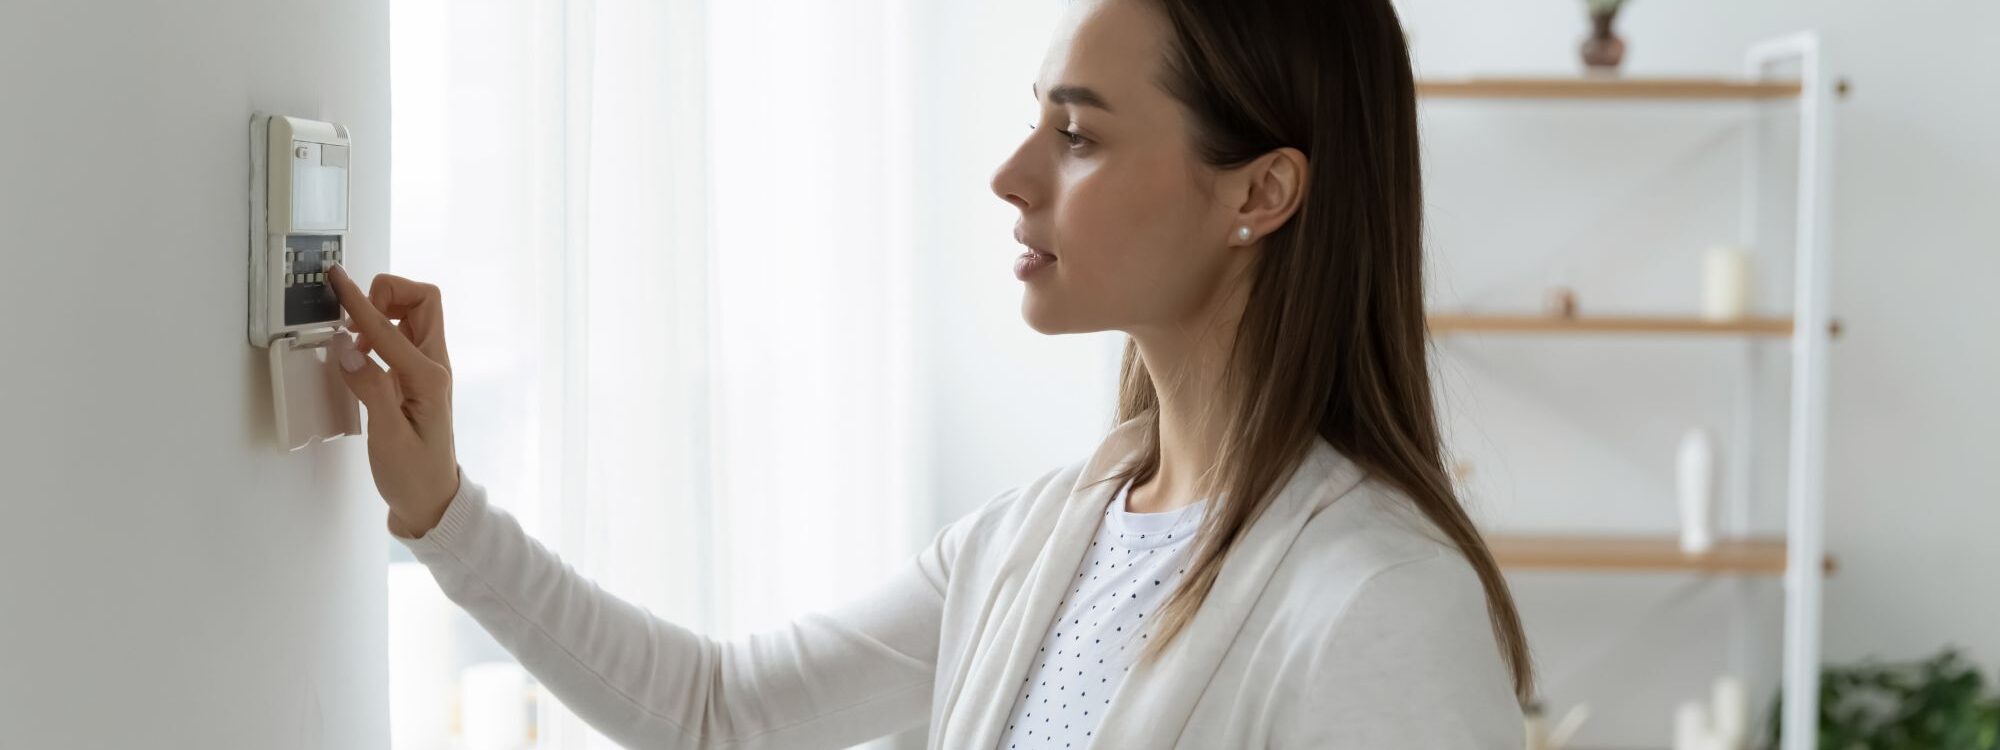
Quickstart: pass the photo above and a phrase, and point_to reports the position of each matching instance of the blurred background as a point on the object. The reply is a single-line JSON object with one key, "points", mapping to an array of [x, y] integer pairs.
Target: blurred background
{"points": [[1706, 280]]}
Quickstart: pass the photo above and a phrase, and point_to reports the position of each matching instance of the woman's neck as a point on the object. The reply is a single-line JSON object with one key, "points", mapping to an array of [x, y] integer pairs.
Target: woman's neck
{"points": [[1187, 367]]}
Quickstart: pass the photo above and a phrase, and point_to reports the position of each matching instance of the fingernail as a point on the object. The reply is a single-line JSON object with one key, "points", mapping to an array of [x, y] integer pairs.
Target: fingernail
{"points": [[351, 359]]}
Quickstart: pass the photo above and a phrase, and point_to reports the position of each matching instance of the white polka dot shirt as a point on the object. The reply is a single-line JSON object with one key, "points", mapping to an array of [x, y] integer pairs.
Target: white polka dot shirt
{"points": [[1102, 626]]}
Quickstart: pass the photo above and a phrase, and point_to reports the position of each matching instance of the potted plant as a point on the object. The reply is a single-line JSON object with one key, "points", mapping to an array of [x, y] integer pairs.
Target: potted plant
{"points": [[1940, 703], [1603, 49]]}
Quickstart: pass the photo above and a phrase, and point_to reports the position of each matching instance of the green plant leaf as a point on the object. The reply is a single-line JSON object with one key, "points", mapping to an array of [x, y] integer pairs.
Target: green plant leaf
{"points": [[1938, 703]]}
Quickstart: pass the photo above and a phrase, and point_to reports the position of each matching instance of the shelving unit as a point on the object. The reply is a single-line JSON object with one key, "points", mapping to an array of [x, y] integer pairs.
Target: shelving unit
{"points": [[1606, 88], [1653, 554], [1799, 556], [1449, 323]]}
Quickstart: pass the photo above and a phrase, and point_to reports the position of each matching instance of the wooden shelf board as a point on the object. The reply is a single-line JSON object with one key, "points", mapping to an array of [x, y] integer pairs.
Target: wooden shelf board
{"points": [[1750, 556], [1586, 87], [1443, 323]]}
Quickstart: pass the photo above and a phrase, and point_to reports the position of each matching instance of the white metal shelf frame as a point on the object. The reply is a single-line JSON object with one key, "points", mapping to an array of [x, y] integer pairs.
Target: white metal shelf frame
{"points": [[1805, 512]]}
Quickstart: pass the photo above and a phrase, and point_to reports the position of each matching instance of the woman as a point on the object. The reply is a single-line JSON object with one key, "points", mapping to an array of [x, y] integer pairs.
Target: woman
{"points": [[1264, 552]]}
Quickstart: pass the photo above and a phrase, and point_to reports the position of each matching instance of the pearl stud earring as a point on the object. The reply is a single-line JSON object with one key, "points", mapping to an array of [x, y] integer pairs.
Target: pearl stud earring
{"points": [[1243, 234]]}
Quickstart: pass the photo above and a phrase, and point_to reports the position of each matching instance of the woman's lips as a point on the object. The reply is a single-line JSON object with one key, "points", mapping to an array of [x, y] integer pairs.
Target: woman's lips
{"points": [[1033, 260], [1030, 262]]}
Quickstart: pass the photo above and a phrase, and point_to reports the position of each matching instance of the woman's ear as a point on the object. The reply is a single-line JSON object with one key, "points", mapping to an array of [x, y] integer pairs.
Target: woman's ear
{"points": [[1274, 185]]}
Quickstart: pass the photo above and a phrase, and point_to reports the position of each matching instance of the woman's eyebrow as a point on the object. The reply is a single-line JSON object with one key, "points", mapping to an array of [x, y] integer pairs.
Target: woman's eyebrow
{"points": [[1071, 94]]}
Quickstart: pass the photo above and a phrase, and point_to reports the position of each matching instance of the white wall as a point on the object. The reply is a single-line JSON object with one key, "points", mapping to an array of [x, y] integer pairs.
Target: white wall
{"points": [[168, 577]]}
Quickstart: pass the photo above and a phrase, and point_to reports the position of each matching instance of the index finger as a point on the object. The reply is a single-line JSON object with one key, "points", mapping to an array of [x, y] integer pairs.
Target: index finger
{"points": [[382, 336], [420, 309]]}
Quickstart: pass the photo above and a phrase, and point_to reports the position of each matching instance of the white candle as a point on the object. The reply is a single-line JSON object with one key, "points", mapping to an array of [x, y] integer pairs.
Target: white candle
{"points": [[1725, 282], [1691, 730], [1729, 712]]}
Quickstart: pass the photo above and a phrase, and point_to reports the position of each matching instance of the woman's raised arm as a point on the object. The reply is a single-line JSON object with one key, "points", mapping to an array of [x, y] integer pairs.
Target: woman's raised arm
{"points": [[828, 679]]}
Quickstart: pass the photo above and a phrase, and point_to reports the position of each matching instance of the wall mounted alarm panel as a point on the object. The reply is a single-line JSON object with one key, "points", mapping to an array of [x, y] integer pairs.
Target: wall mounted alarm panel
{"points": [[299, 226]]}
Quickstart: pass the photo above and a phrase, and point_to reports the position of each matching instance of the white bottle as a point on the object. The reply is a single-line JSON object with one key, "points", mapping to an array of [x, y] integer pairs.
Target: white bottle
{"points": [[1696, 491]]}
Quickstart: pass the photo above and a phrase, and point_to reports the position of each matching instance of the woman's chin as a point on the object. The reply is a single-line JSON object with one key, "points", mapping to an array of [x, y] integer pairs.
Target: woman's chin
{"points": [[1044, 318], [1038, 316]]}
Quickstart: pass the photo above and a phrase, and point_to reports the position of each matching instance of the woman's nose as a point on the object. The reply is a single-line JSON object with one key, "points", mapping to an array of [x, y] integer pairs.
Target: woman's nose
{"points": [[999, 184], [1008, 181]]}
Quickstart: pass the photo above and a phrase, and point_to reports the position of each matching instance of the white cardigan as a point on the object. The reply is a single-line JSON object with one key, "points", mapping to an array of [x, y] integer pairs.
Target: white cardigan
{"points": [[1347, 624]]}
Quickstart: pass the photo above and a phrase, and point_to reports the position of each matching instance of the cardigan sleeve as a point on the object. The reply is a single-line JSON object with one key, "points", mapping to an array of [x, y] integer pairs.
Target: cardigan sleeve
{"points": [[829, 679], [1411, 662]]}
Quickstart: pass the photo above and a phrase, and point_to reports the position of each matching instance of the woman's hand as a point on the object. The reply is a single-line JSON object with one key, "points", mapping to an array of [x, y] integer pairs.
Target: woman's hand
{"points": [[409, 405]]}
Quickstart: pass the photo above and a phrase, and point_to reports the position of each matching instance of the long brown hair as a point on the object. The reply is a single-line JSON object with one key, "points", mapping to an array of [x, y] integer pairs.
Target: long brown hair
{"points": [[1333, 338]]}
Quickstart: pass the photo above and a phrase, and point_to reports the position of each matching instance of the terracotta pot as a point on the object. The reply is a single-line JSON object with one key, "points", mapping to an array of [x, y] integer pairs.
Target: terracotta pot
{"points": [[1603, 50]]}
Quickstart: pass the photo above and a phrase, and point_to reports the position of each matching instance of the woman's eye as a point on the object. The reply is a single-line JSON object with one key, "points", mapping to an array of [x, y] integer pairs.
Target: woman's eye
{"points": [[1073, 138]]}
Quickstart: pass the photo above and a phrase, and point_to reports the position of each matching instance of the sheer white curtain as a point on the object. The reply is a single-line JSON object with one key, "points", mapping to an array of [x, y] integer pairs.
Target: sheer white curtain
{"points": [[673, 241]]}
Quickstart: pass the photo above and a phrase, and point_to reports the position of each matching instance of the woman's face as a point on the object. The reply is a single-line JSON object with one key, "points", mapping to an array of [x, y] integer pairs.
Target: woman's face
{"points": [[1140, 229]]}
